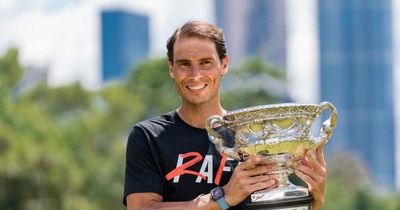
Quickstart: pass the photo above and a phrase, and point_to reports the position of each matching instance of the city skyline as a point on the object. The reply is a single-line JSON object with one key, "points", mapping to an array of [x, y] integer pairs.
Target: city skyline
{"points": [[62, 36], [356, 64]]}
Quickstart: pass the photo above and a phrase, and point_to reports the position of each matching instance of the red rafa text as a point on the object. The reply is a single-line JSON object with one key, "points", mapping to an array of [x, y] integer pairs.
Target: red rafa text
{"points": [[206, 170]]}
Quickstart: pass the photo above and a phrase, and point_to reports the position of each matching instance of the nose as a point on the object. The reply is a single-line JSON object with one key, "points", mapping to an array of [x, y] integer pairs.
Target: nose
{"points": [[194, 70]]}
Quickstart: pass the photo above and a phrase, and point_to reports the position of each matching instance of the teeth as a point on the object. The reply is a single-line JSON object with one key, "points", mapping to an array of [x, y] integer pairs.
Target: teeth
{"points": [[197, 87]]}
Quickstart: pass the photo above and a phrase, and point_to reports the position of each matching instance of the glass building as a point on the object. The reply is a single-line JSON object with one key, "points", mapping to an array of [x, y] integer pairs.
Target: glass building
{"points": [[254, 28], [356, 69], [124, 42]]}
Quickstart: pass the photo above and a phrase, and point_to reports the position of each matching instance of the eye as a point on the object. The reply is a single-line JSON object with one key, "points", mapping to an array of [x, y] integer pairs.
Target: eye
{"points": [[204, 62], [184, 64]]}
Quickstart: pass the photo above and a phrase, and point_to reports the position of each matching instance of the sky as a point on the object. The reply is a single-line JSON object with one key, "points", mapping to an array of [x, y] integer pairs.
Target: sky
{"points": [[63, 35]]}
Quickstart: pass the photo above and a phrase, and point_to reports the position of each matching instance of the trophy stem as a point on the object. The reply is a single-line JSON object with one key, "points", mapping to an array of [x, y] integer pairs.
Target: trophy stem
{"points": [[283, 171], [284, 163], [285, 190]]}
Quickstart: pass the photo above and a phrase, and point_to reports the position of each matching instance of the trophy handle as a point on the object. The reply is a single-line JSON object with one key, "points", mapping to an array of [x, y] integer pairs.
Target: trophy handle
{"points": [[216, 138], [328, 125]]}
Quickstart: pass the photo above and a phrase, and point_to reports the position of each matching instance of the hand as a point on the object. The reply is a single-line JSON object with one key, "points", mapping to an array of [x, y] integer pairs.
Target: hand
{"points": [[249, 176], [312, 170]]}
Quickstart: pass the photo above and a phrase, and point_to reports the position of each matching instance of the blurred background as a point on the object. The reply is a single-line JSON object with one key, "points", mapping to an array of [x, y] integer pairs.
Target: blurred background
{"points": [[75, 75]]}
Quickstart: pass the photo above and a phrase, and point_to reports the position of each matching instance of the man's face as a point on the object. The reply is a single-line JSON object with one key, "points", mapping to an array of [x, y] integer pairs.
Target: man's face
{"points": [[197, 70]]}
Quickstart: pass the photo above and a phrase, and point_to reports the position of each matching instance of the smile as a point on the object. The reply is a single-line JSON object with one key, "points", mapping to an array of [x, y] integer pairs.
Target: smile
{"points": [[196, 87]]}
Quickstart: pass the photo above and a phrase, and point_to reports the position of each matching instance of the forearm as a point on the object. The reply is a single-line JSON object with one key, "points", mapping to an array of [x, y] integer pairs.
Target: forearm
{"points": [[203, 202]]}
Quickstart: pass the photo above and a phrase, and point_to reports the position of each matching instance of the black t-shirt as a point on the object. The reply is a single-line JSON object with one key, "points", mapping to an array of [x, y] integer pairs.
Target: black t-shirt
{"points": [[167, 156]]}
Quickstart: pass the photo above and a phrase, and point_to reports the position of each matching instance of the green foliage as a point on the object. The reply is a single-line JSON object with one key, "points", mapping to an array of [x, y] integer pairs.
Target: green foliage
{"points": [[248, 85], [245, 98], [10, 69], [63, 147], [349, 187], [59, 102], [256, 67], [156, 89]]}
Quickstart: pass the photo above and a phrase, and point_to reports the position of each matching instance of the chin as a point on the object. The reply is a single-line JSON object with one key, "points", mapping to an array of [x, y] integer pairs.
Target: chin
{"points": [[196, 101]]}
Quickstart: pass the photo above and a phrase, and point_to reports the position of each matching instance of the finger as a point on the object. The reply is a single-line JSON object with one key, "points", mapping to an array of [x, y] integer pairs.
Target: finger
{"points": [[262, 170], [314, 173], [262, 185], [313, 186], [305, 161], [305, 178], [274, 185], [303, 168], [267, 161], [262, 178], [250, 163], [242, 165], [320, 155], [313, 163]]}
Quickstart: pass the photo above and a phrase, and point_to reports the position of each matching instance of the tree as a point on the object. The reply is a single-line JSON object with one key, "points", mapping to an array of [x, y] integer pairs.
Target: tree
{"points": [[11, 71], [150, 80], [254, 83], [347, 182], [61, 102], [62, 147]]}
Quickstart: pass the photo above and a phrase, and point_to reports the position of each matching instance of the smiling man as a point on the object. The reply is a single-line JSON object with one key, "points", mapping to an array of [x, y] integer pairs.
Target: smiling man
{"points": [[171, 164]]}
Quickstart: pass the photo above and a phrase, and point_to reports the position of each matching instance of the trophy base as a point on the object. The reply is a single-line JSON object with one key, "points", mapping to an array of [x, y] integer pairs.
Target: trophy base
{"points": [[282, 193], [300, 203]]}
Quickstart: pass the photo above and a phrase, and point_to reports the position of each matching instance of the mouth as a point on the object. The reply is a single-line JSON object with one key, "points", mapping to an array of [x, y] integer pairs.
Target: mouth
{"points": [[198, 87]]}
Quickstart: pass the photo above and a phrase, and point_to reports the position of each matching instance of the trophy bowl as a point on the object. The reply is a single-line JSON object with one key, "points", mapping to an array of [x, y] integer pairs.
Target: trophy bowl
{"points": [[279, 133]]}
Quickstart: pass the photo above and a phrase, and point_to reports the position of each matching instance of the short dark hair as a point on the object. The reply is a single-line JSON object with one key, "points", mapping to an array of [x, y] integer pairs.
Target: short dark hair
{"points": [[199, 29]]}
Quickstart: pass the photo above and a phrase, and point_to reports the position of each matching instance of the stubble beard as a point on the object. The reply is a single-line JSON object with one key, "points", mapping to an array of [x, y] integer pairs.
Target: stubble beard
{"points": [[196, 101], [212, 98]]}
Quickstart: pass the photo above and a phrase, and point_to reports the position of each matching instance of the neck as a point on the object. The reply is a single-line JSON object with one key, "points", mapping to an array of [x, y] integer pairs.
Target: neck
{"points": [[196, 115]]}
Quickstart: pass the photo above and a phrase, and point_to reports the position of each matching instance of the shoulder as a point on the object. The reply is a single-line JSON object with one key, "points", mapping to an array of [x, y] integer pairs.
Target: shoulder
{"points": [[154, 126], [164, 120]]}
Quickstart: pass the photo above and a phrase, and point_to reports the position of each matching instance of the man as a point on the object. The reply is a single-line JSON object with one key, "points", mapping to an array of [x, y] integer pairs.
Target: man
{"points": [[171, 164]]}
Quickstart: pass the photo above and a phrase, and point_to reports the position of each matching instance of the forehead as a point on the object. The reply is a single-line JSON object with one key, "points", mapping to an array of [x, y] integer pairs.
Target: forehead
{"points": [[193, 47]]}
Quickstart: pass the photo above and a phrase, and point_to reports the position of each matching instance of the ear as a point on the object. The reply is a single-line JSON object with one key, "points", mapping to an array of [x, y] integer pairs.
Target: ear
{"points": [[224, 65], [171, 70]]}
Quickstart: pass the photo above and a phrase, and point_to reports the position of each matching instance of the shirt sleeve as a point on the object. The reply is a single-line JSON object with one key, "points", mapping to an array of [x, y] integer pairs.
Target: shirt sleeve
{"points": [[141, 171]]}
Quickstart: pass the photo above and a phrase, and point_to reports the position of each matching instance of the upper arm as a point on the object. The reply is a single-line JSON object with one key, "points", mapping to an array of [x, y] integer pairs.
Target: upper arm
{"points": [[135, 201], [142, 173]]}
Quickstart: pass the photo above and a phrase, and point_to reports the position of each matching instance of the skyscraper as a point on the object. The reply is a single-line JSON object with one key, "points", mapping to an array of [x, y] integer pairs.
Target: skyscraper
{"points": [[256, 28], [124, 41], [356, 75]]}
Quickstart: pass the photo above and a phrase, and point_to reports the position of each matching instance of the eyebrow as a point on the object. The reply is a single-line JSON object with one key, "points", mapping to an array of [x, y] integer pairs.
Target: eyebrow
{"points": [[187, 60], [182, 61], [206, 59]]}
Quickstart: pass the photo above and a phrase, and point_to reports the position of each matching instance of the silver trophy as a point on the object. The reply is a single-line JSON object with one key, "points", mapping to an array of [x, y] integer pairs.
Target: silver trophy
{"points": [[279, 133]]}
